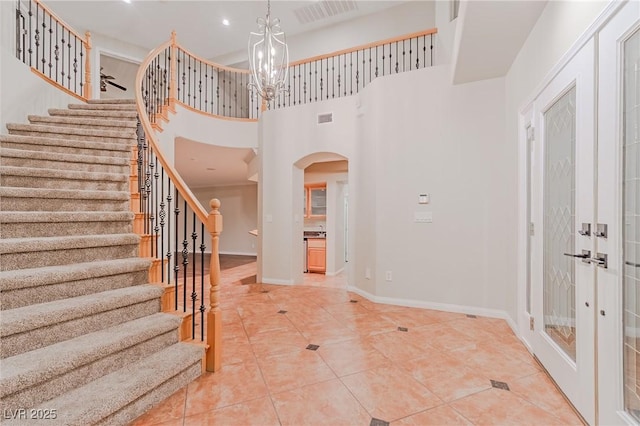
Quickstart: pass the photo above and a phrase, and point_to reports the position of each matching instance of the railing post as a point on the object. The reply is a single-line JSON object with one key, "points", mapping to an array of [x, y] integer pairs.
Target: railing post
{"points": [[214, 315], [87, 67], [173, 89]]}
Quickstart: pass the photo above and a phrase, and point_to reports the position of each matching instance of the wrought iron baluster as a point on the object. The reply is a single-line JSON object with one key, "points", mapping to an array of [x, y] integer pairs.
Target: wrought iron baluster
{"points": [[37, 34], [344, 65], [200, 87], [351, 73], [424, 51], [57, 50], [50, 64], [417, 53], [30, 33], [156, 228], [194, 295], [431, 50], [75, 63], [339, 77], [185, 259], [410, 53], [169, 253], [176, 268], [162, 215], [202, 308]]}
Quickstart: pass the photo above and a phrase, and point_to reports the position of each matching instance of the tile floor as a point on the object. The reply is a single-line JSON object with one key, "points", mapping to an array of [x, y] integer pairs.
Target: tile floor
{"points": [[372, 364]]}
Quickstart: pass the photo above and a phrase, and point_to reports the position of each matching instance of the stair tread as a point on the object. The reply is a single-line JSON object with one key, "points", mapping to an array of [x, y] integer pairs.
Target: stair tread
{"points": [[62, 174], [8, 191], [78, 131], [84, 121], [20, 320], [113, 101], [99, 106], [43, 140], [120, 114], [32, 277], [64, 158], [57, 217], [26, 369], [94, 401], [23, 245]]}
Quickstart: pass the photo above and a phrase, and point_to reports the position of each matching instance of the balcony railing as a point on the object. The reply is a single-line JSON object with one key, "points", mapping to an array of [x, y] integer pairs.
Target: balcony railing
{"points": [[53, 49], [179, 76]]}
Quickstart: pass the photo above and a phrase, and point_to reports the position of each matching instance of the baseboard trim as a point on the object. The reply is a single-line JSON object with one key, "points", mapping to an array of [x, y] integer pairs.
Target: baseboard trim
{"points": [[462, 309], [276, 281], [238, 253], [333, 274]]}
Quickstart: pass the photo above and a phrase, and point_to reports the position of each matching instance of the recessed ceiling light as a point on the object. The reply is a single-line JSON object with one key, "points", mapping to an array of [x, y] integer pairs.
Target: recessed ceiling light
{"points": [[225, 21], [210, 168], [127, 1]]}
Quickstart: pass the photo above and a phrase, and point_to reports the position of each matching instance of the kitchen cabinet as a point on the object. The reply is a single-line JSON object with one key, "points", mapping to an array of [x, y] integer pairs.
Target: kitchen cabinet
{"points": [[316, 254], [315, 200]]}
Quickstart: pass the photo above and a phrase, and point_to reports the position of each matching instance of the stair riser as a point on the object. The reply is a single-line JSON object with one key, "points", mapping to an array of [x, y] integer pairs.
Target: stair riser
{"points": [[64, 165], [23, 204], [128, 141], [57, 183], [36, 394], [152, 398], [120, 101], [46, 293], [103, 107], [61, 229], [11, 261], [93, 114], [24, 342], [80, 122], [66, 149]]}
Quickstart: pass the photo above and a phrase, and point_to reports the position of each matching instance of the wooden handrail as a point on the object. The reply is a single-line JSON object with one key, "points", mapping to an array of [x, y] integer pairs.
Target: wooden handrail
{"points": [[150, 134], [364, 46], [213, 64]]}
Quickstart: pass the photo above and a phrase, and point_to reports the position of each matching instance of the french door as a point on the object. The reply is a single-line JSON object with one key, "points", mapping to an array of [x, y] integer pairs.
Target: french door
{"points": [[562, 201], [585, 205], [618, 216]]}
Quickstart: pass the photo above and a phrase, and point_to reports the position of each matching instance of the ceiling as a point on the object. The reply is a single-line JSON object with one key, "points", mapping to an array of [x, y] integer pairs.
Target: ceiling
{"points": [[202, 165], [198, 24]]}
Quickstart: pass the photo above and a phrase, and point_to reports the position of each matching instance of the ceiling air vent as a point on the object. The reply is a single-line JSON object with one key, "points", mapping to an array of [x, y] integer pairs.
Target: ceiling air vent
{"points": [[319, 10], [325, 118]]}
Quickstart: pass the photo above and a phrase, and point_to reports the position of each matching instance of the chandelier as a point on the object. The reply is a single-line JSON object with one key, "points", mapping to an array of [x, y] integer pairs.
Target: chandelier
{"points": [[268, 57]]}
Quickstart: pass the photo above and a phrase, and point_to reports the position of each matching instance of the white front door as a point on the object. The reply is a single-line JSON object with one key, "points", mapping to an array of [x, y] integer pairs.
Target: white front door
{"points": [[562, 274], [618, 209], [585, 206]]}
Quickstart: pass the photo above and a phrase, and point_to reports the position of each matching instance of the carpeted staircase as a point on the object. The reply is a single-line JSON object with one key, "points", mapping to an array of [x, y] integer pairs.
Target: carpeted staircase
{"points": [[80, 325]]}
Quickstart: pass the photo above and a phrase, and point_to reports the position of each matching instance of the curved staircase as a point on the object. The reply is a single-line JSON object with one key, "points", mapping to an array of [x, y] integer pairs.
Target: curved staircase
{"points": [[81, 330]]}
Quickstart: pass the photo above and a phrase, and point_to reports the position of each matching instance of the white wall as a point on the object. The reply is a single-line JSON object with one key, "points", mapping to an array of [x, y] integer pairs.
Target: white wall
{"points": [[405, 134], [288, 136], [239, 208], [559, 26], [442, 140]]}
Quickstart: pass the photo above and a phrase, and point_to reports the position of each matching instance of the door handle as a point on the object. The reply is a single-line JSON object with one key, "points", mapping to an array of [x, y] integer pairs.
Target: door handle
{"points": [[585, 255], [601, 259], [635, 265], [580, 256]]}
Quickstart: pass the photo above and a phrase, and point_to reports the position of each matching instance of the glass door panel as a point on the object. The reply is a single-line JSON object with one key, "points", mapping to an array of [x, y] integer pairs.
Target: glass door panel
{"points": [[559, 223], [631, 221]]}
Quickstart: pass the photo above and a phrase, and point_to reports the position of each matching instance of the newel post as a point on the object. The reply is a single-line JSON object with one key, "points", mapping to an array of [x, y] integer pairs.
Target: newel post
{"points": [[87, 67], [173, 88], [214, 315]]}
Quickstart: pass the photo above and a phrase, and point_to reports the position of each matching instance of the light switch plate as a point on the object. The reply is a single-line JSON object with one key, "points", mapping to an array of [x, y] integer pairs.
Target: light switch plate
{"points": [[268, 218], [424, 198], [423, 217]]}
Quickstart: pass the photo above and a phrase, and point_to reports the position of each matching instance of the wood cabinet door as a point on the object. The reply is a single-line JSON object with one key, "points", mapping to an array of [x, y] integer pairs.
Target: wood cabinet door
{"points": [[316, 259]]}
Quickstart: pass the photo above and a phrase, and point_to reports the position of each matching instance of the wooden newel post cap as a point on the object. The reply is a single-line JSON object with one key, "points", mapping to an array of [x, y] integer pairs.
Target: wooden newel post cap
{"points": [[214, 204]]}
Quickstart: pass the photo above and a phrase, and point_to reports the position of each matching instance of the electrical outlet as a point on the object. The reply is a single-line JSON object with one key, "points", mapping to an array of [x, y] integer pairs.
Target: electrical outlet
{"points": [[388, 276]]}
